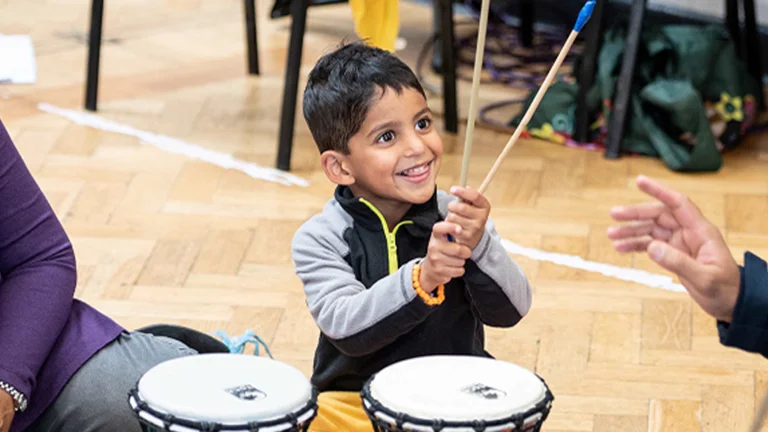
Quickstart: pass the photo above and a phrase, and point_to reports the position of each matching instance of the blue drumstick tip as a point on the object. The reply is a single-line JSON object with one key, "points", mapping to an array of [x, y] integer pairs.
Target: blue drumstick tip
{"points": [[584, 15]]}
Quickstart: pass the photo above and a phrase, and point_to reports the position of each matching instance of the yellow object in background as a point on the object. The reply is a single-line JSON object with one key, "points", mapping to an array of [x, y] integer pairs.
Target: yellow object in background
{"points": [[377, 22]]}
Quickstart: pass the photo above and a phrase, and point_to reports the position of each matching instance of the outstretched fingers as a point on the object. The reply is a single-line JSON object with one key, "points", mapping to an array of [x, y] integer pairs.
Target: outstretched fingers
{"points": [[685, 211], [636, 244], [639, 229], [638, 212]]}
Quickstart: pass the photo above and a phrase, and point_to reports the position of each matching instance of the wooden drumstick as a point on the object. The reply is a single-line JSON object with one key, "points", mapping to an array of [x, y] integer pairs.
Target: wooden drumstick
{"points": [[584, 15], [479, 52]]}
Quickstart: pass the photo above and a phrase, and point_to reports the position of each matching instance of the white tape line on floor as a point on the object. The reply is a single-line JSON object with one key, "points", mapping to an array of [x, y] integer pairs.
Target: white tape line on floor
{"points": [[177, 146], [623, 273]]}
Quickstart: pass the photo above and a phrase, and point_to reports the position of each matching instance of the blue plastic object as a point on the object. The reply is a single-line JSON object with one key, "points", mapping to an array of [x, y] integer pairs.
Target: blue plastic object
{"points": [[584, 15]]}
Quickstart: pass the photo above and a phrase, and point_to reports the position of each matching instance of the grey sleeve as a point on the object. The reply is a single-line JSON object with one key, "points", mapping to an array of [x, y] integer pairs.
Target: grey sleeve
{"points": [[357, 320], [496, 285]]}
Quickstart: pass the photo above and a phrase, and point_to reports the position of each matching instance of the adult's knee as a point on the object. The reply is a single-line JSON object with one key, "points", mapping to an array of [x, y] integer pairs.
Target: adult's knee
{"points": [[96, 397]]}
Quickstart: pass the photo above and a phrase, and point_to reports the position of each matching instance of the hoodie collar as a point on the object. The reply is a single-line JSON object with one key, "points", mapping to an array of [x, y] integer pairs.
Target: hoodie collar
{"points": [[423, 216]]}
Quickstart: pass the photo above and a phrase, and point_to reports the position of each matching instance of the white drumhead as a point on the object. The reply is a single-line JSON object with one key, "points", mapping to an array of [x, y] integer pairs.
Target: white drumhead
{"points": [[225, 388], [457, 388]]}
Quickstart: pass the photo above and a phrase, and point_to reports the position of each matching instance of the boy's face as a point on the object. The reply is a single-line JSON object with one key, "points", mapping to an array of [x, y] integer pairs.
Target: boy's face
{"points": [[395, 156]]}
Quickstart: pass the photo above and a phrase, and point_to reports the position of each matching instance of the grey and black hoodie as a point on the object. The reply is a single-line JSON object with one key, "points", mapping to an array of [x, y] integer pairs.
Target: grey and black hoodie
{"points": [[357, 280]]}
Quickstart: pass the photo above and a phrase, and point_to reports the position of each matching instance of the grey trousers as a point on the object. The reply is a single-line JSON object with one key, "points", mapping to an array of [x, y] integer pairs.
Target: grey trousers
{"points": [[96, 397]]}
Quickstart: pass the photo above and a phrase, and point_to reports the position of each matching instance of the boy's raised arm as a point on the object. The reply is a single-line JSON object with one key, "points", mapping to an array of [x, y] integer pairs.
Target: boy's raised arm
{"points": [[357, 320], [497, 285]]}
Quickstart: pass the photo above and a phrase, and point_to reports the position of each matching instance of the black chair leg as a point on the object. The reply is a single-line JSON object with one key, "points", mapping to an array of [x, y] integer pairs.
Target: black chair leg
{"points": [[437, 59], [733, 23], [753, 46], [94, 51], [447, 44], [527, 19], [621, 104], [251, 36], [291, 89], [593, 41]]}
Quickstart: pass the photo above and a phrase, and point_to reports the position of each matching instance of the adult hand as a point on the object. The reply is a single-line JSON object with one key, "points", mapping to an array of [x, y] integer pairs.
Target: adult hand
{"points": [[677, 237], [6, 411]]}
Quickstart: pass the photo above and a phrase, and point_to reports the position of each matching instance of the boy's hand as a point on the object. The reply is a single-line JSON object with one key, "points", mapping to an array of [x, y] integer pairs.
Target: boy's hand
{"points": [[445, 259], [471, 215]]}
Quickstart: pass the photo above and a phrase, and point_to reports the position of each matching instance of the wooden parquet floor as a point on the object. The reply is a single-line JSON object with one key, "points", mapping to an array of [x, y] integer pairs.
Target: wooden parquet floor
{"points": [[163, 238]]}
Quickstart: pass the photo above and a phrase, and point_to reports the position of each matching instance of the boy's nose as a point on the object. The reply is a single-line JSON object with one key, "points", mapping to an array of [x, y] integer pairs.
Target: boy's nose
{"points": [[415, 146]]}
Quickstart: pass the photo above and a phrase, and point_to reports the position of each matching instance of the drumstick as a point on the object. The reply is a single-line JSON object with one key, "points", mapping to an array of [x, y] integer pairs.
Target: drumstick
{"points": [[479, 52], [584, 15]]}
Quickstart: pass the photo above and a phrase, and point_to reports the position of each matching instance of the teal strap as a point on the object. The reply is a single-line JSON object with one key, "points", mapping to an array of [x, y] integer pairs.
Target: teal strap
{"points": [[236, 345]]}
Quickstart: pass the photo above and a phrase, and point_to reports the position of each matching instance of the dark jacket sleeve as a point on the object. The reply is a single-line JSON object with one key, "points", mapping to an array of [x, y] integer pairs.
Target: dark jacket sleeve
{"points": [[37, 271], [749, 328], [497, 287]]}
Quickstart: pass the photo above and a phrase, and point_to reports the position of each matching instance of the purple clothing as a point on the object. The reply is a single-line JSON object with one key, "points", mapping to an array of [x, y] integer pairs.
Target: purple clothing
{"points": [[45, 335]]}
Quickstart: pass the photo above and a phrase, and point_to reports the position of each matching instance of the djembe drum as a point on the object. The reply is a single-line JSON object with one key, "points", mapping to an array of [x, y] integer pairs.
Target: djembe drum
{"points": [[456, 393], [224, 392]]}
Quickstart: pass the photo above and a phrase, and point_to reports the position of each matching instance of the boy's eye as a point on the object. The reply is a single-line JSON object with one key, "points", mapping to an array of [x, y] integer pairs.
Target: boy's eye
{"points": [[386, 136], [423, 123]]}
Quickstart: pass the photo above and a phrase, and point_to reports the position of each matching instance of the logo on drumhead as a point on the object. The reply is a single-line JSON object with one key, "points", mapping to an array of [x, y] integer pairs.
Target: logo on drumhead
{"points": [[484, 391], [246, 392]]}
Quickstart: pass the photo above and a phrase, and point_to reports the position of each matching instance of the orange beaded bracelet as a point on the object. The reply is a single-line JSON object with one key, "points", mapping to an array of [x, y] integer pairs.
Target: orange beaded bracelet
{"points": [[428, 299]]}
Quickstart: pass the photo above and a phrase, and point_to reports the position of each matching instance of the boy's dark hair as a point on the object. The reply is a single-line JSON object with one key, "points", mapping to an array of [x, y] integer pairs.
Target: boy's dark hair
{"points": [[342, 86]]}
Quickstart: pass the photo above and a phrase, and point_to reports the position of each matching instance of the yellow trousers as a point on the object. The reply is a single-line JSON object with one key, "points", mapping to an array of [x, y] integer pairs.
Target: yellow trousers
{"points": [[340, 412], [377, 22]]}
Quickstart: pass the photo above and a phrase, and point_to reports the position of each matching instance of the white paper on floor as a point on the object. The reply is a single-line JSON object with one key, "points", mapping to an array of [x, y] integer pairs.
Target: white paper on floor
{"points": [[17, 60]]}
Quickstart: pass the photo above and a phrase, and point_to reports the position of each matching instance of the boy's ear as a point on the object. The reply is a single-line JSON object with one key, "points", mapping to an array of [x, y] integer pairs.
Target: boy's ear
{"points": [[337, 168]]}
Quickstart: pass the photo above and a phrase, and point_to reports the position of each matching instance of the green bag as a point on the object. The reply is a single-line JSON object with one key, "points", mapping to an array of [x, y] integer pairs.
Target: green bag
{"points": [[691, 99]]}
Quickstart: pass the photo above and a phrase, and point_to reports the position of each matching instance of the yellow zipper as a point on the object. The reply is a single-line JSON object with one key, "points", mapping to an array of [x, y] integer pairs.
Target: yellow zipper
{"points": [[391, 236]]}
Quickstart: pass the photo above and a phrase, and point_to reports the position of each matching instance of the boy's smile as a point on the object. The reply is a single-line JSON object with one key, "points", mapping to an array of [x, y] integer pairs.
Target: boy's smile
{"points": [[418, 173], [394, 158]]}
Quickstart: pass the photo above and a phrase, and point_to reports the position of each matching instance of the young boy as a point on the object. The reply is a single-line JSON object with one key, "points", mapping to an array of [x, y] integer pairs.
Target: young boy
{"points": [[382, 278]]}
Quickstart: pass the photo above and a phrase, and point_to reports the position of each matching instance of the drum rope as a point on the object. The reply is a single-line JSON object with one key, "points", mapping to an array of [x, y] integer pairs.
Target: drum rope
{"points": [[236, 345]]}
